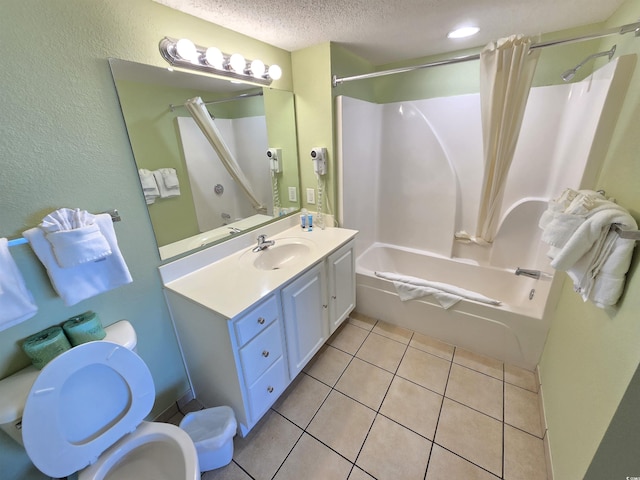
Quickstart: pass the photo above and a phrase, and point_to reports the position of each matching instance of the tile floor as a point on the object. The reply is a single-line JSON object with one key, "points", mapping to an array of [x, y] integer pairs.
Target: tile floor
{"points": [[381, 402]]}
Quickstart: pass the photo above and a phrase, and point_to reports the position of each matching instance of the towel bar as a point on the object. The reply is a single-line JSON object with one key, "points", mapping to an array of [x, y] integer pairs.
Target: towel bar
{"points": [[627, 234], [115, 216]]}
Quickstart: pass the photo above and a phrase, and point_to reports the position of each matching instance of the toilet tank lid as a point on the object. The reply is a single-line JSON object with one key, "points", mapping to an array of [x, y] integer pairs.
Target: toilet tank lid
{"points": [[15, 388]]}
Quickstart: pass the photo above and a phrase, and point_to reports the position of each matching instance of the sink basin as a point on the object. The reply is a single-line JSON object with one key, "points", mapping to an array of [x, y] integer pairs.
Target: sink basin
{"points": [[285, 253]]}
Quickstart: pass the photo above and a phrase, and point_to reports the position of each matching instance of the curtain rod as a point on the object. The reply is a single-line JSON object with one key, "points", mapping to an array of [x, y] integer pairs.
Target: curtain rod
{"points": [[222, 100], [631, 27]]}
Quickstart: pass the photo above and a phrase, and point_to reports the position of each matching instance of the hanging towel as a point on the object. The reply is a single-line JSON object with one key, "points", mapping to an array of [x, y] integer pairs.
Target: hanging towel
{"points": [[167, 181], [75, 237], [16, 302], [409, 288], [594, 256], [149, 185], [83, 281]]}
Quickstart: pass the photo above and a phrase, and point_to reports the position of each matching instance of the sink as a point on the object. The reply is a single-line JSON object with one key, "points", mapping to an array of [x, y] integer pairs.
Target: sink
{"points": [[285, 253]]}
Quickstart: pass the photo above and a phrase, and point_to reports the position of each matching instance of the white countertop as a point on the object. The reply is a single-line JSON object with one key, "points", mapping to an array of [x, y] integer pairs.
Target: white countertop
{"points": [[229, 286]]}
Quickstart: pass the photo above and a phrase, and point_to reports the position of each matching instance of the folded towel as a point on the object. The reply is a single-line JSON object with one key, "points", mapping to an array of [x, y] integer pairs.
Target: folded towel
{"points": [[83, 281], [167, 181], [16, 302], [149, 185], [75, 237], [170, 177], [447, 295], [595, 257]]}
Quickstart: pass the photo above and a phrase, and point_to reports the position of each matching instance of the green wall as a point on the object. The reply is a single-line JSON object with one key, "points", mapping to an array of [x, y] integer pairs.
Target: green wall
{"points": [[591, 355], [63, 144]]}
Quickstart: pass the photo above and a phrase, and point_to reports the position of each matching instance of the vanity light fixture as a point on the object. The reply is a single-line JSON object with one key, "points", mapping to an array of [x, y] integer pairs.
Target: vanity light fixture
{"points": [[183, 53], [463, 32]]}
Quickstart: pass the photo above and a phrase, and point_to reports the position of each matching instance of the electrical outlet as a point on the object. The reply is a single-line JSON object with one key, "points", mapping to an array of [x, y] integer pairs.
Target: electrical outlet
{"points": [[311, 196], [293, 194]]}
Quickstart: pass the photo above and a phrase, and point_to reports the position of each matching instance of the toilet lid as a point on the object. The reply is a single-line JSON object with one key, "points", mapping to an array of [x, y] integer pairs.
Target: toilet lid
{"points": [[82, 402]]}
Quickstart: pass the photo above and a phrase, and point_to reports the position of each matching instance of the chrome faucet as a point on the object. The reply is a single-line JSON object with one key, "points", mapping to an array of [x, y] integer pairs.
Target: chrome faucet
{"points": [[528, 273], [263, 243]]}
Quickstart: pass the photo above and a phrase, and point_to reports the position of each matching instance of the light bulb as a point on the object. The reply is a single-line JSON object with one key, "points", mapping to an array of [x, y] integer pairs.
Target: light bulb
{"points": [[463, 32], [237, 63], [275, 72], [257, 68], [186, 49], [214, 57]]}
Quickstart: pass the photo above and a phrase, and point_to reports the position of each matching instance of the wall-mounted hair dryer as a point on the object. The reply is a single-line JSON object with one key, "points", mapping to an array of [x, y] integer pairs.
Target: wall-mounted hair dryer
{"points": [[319, 158], [275, 159]]}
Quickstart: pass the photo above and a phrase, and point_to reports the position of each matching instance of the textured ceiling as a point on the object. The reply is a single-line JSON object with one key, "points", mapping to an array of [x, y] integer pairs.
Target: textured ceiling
{"points": [[384, 31]]}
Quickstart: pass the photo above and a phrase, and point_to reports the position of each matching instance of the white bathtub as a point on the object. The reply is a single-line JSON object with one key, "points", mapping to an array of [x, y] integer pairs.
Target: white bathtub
{"points": [[513, 332]]}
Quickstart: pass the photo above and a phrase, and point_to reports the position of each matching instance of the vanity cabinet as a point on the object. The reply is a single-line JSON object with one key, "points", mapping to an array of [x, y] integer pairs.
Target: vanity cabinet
{"points": [[239, 362], [243, 342], [341, 284], [305, 317]]}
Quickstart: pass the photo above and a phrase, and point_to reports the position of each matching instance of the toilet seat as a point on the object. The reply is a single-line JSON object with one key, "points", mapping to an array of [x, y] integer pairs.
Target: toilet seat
{"points": [[83, 402]]}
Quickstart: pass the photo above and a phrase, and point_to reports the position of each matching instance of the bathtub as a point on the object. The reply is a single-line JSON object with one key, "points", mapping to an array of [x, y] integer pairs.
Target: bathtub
{"points": [[513, 332]]}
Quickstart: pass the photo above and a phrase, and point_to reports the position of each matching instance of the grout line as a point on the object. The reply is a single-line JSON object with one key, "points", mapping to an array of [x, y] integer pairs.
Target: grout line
{"points": [[504, 408], [440, 412]]}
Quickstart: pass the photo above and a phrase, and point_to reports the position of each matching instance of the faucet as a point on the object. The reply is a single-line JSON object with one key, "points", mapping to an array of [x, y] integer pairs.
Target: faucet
{"points": [[528, 273], [263, 244]]}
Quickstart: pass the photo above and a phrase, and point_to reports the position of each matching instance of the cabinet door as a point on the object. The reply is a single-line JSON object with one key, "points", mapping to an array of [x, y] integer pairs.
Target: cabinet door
{"points": [[304, 318], [342, 284]]}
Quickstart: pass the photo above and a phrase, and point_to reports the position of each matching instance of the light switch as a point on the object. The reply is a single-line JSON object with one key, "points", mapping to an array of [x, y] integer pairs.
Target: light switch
{"points": [[311, 196]]}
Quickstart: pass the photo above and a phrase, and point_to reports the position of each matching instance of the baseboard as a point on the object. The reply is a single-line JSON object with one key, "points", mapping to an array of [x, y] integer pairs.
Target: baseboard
{"points": [[543, 417], [175, 408]]}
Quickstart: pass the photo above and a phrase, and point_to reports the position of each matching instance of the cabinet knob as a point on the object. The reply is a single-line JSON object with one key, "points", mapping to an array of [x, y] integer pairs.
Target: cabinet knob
{"points": [[265, 353], [325, 306], [270, 389], [333, 297], [261, 320]]}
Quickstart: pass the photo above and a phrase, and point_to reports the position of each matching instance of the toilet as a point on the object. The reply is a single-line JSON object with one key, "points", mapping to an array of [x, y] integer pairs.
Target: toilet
{"points": [[84, 413]]}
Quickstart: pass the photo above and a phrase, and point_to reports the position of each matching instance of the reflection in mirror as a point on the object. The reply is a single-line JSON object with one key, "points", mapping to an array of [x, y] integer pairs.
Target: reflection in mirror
{"points": [[192, 198]]}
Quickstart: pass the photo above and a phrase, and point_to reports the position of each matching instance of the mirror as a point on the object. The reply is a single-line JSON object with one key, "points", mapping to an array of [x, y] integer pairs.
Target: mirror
{"points": [[207, 206]]}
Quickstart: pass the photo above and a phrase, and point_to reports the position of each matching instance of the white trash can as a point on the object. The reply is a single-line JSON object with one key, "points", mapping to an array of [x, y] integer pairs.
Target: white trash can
{"points": [[212, 431]]}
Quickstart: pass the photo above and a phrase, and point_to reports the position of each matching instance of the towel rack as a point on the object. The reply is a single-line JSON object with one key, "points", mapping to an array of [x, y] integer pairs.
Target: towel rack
{"points": [[115, 217], [626, 234]]}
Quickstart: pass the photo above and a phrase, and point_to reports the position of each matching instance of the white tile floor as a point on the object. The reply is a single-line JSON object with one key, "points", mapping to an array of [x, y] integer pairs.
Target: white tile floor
{"points": [[381, 402]]}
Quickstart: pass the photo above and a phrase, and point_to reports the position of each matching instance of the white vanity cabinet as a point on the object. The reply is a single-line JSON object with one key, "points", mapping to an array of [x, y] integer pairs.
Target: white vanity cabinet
{"points": [[245, 333], [341, 280], [305, 317], [239, 362]]}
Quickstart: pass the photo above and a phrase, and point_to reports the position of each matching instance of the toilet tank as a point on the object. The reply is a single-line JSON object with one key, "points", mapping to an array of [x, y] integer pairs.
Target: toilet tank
{"points": [[15, 388]]}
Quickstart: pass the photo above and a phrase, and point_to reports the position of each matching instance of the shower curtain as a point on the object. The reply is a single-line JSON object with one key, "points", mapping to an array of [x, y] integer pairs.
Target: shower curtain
{"points": [[200, 114], [506, 72]]}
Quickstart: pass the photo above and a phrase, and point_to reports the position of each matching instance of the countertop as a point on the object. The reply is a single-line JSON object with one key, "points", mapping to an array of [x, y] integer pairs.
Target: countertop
{"points": [[229, 286]]}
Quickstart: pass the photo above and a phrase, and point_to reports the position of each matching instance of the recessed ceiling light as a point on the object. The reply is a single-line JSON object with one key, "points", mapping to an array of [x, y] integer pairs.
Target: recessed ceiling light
{"points": [[463, 32]]}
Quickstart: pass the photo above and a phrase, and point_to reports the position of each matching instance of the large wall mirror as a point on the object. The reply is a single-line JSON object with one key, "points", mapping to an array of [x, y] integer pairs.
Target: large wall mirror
{"points": [[192, 199]]}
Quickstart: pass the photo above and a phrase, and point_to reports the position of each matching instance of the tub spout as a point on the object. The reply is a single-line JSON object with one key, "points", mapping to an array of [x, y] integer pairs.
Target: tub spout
{"points": [[528, 273]]}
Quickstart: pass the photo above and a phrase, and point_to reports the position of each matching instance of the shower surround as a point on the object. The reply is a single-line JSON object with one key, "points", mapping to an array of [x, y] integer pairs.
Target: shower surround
{"points": [[410, 178]]}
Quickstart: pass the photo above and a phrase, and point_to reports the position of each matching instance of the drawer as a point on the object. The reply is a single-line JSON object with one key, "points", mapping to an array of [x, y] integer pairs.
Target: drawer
{"points": [[267, 389], [255, 321], [260, 353]]}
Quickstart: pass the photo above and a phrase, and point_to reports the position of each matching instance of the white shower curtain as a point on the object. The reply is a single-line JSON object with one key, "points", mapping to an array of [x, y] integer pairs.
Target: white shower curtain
{"points": [[506, 72], [200, 114]]}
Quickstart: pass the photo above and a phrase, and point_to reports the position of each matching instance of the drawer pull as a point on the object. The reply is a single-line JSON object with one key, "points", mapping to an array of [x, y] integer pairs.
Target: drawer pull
{"points": [[265, 353], [261, 320], [270, 389]]}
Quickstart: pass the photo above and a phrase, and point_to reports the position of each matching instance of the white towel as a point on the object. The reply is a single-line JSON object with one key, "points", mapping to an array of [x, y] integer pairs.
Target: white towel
{"points": [[75, 237], [447, 295], [16, 302], [88, 279], [595, 257], [149, 185], [167, 181]]}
